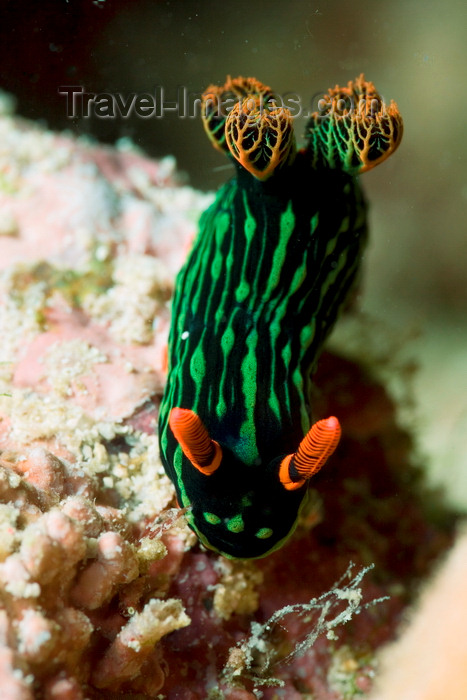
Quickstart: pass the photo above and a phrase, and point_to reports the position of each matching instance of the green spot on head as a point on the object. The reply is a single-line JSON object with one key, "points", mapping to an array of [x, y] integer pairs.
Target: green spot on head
{"points": [[246, 501], [236, 524], [264, 533], [211, 518]]}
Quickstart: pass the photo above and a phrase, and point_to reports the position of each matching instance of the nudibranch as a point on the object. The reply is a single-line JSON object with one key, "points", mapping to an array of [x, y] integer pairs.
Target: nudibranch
{"points": [[273, 263]]}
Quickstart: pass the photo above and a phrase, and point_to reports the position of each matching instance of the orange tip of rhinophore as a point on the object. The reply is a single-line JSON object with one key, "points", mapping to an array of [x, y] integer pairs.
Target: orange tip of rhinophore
{"points": [[189, 431], [313, 452]]}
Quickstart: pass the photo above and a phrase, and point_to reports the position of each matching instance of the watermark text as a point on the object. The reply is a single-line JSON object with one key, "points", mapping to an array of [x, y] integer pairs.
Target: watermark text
{"points": [[189, 105]]}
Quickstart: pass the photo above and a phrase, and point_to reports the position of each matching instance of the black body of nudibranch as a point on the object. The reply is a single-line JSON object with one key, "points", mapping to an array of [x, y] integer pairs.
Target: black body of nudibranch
{"points": [[274, 260]]}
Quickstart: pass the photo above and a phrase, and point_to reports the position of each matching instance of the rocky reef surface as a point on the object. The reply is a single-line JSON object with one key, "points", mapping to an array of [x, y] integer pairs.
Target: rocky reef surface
{"points": [[104, 591]]}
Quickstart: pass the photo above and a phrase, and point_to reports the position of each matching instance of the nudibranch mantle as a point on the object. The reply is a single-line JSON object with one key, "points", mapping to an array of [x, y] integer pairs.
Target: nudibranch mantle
{"points": [[275, 258]]}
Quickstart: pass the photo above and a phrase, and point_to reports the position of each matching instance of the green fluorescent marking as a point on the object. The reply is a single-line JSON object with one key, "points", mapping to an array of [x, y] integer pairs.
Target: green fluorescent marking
{"points": [[198, 364], [264, 533], [177, 462], [219, 313], [248, 448], [288, 219], [227, 343], [344, 225], [243, 288], [211, 518], [274, 402], [286, 227], [333, 274], [250, 221], [286, 354], [275, 329], [242, 291], [286, 358], [306, 336], [331, 246], [216, 266], [314, 223], [236, 524], [222, 226], [201, 247]]}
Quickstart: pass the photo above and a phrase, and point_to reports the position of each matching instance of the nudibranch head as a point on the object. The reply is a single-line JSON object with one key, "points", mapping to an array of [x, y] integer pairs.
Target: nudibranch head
{"points": [[243, 119], [245, 508], [353, 129]]}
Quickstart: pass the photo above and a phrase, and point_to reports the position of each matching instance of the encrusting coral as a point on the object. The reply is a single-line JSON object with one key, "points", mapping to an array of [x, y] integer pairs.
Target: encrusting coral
{"points": [[104, 590], [74, 364], [65, 560]]}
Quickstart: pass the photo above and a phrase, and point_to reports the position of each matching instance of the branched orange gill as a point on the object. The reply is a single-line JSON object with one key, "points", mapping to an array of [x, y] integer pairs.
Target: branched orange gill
{"points": [[274, 260]]}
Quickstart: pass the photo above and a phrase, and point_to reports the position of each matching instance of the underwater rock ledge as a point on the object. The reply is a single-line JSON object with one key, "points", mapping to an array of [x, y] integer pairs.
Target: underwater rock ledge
{"points": [[104, 591]]}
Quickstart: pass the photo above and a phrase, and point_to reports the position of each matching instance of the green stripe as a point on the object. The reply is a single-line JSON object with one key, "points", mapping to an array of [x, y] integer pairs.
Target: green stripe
{"points": [[252, 305], [248, 450], [286, 228]]}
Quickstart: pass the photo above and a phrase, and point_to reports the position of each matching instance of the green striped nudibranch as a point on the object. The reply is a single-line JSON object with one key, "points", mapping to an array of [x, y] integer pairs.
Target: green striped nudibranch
{"points": [[273, 262]]}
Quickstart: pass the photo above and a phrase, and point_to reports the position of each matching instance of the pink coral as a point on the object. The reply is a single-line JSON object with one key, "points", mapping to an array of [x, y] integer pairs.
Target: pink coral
{"points": [[70, 564], [116, 564], [134, 646]]}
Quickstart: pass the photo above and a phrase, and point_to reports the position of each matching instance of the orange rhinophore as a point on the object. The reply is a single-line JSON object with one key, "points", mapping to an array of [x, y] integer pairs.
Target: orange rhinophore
{"points": [[313, 452], [204, 454]]}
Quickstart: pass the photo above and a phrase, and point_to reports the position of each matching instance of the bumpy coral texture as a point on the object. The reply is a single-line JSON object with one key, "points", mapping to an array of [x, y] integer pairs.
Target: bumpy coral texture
{"points": [[104, 591], [83, 312]]}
